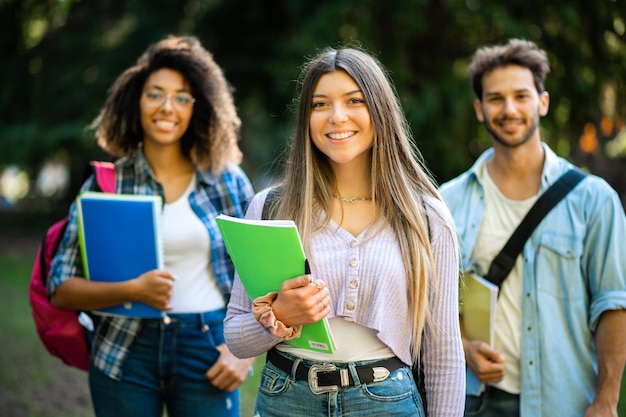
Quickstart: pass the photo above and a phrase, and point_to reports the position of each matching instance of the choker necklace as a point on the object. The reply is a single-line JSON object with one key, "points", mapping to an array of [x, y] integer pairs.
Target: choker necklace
{"points": [[352, 200]]}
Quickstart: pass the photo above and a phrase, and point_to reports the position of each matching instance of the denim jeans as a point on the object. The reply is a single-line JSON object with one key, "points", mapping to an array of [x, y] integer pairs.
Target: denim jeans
{"points": [[165, 367], [281, 395], [492, 403]]}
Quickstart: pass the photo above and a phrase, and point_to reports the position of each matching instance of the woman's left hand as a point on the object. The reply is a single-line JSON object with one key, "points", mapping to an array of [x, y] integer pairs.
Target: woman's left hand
{"points": [[229, 372]]}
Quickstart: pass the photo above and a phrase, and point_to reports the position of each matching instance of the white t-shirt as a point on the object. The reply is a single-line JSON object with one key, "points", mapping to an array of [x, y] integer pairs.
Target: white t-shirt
{"points": [[186, 248], [500, 220]]}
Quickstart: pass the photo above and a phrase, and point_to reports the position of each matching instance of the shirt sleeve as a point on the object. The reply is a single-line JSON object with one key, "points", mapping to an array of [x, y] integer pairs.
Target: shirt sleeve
{"points": [[442, 350], [67, 262], [245, 189], [245, 336], [603, 260]]}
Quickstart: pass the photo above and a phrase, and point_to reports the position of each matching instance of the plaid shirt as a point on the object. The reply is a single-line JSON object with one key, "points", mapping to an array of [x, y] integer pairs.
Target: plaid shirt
{"points": [[229, 193]]}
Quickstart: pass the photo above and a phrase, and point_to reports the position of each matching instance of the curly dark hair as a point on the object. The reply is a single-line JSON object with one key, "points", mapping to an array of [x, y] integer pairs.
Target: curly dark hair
{"points": [[515, 52], [211, 139]]}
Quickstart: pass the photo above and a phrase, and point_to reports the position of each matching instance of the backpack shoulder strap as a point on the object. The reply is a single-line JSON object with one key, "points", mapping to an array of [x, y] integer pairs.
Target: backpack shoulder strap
{"points": [[105, 175], [503, 263], [269, 199]]}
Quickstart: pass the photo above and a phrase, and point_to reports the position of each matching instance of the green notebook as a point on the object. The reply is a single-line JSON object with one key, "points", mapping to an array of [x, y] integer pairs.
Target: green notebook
{"points": [[266, 253]]}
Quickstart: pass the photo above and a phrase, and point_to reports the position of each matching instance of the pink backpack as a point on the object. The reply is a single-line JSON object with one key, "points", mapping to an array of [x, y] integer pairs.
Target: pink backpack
{"points": [[60, 330]]}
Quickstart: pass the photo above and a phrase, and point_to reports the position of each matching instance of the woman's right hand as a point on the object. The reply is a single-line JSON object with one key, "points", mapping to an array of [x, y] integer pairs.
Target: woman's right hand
{"points": [[301, 301], [154, 288]]}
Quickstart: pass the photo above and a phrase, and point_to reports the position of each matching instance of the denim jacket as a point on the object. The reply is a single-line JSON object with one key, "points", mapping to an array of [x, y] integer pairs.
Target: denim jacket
{"points": [[574, 270]]}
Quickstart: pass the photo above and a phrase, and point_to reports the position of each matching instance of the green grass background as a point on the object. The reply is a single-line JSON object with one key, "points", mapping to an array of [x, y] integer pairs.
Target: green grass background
{"points": [[35, 384]]}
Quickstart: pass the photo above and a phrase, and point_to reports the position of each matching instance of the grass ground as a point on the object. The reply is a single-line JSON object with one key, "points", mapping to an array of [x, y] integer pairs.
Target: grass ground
{"points": [[33, 383]]}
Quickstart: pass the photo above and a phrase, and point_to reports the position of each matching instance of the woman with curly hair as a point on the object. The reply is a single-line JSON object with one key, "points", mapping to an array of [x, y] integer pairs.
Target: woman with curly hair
{"points": [[171, 122]]}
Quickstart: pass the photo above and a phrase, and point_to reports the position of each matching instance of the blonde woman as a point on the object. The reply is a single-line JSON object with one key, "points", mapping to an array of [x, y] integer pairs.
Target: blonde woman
{"points": [[383, 257]]}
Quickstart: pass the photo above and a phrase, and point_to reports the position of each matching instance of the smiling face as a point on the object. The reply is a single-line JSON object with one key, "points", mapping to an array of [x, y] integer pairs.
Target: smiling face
{"points": [[340, 125], [511, 106], [166, 106]]}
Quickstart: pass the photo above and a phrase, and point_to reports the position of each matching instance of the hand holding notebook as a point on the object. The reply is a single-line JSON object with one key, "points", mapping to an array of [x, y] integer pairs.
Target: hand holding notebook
{"points": [[120, 239], [265, 254]]}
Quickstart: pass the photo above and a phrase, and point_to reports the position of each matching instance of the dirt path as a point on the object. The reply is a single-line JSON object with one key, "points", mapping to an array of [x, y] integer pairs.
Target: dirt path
{"points": [[65, 395]]}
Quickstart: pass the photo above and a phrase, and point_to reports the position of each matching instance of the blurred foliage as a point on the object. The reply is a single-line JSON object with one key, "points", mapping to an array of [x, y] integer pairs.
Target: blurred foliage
{"points": [[61, 56]]}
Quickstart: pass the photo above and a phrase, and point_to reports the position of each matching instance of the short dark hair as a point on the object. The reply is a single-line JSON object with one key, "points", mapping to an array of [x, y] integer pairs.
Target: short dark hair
{"points": [[211, 138], [515, 52]]}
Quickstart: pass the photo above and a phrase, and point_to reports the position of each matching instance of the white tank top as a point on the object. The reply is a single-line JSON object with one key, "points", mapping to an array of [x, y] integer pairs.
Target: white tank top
{"points": [[345, 333], [187, 254]]}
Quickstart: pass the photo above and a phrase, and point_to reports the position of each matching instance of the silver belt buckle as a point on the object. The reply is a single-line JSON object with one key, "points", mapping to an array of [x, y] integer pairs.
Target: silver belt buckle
{"points": [[313, 380], [380, 373]]}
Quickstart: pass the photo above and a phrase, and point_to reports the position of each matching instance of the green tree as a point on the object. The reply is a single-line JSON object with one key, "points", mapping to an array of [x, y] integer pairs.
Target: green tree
{"points": [[62, 56]]}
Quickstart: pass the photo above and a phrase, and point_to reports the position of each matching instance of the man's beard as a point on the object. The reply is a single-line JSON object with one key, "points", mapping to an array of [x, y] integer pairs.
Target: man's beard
{"points": [[531, 131]]}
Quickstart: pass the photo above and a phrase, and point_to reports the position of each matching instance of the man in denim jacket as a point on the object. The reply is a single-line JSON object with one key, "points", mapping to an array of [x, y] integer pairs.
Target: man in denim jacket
{"points": [[560, 331]]}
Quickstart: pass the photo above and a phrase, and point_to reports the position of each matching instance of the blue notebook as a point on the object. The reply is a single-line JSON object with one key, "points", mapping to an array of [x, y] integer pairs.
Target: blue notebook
{"points": [[120, 239]]}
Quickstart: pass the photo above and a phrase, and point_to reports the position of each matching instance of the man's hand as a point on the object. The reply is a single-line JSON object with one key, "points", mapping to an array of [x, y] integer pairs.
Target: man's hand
{"points": [[229, 372], [610, 338], [600, 410], [484, 362]]}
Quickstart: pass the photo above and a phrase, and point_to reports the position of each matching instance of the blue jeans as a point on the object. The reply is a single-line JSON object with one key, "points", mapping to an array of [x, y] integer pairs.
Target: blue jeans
{"points": [[282, 395], [492, 403], [165, 367]]}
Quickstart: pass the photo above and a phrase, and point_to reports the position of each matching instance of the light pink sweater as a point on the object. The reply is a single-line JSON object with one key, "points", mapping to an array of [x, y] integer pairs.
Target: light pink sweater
{"points": [[379, 301]]}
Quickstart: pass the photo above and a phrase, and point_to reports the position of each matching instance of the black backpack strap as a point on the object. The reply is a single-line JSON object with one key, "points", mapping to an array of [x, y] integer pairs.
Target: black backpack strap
{"points": [[505, 260], [269, 199]]}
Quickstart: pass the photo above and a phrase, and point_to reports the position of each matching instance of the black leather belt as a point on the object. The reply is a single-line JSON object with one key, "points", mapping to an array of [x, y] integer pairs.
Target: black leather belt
{"points": [[326, 377]]}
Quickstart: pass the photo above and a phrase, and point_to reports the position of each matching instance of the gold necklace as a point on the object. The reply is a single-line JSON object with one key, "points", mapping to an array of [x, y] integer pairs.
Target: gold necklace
{"points": [[352, 200]]}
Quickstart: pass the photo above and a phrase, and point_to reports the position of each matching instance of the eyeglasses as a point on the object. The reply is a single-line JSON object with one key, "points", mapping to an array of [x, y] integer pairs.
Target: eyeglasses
{"points": [[181, 101]]}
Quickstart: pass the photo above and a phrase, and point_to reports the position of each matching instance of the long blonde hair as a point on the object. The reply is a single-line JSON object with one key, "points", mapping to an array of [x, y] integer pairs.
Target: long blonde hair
{"points": [[399, 178]]}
